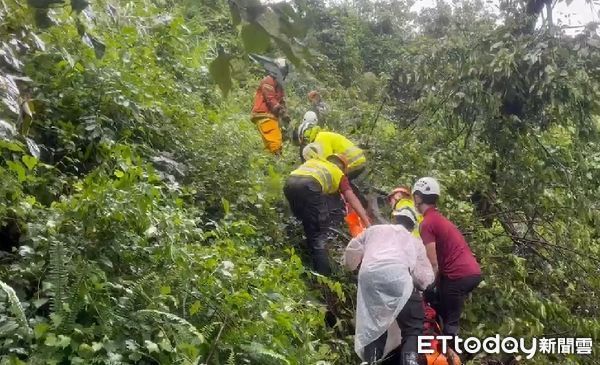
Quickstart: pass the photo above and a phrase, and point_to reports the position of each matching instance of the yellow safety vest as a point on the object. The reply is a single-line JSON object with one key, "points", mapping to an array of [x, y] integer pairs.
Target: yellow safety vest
{"points": [[336, 143], [408, 203], [326, 173]]}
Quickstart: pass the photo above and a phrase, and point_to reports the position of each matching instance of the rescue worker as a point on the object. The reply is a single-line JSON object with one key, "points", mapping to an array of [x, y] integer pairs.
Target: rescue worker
{"points": [[332, 143], [401, 197], [269, 110], [457, 271], [306, 190], [329, 143], [393, 268], [318, 106]]}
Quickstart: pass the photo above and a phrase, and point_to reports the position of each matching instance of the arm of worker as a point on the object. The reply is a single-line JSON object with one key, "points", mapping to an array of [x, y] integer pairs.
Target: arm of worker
{"points": [[354, 252], [353, 200], [268, 91], [428, 236], [432, 256], [422, 273]]}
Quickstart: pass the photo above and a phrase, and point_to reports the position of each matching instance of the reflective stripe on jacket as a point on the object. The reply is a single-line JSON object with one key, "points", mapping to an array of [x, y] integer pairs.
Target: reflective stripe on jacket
{"points": [[336, 143], [326, 173]]}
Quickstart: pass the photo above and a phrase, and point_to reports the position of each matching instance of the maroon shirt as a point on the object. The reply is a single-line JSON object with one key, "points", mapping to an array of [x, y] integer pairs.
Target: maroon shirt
{"points": [[455, 259]]}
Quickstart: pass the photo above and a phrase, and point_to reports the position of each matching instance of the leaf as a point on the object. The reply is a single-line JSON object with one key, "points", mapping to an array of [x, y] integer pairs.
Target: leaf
{"points": [[50, 340], [195, 307], [151, 346], [165, 290], [17, 167], [29, 161], [97, 346], [255, 38], [63, 341], [165, 344], [220, 71], [151, 231], [226, 206], [40, 329], [8, 327], [13, 146], [260, 350], [40, 302]]}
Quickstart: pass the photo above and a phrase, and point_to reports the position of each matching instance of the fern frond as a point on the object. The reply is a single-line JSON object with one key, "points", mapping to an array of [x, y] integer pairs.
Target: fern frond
{"points": [[172, 320], [210, 328], [258, 349], [231, 359], [134, 295], [59, 275], [16, 307], [75, 304]]}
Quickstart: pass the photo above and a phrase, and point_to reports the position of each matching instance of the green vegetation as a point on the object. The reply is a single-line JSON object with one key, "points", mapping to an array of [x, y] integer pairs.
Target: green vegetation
{"points": [[152, 228]]}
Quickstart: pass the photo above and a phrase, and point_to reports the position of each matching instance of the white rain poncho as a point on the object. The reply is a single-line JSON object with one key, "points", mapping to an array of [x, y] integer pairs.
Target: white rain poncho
{"points": [[392, 260]]}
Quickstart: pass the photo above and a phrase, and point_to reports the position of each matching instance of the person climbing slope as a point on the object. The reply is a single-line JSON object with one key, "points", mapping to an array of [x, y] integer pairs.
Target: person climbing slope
{"points": [[318, 106], [269, 109], [329, 143], [393, 268], [306, 190], [332, 143], [454, 264]]}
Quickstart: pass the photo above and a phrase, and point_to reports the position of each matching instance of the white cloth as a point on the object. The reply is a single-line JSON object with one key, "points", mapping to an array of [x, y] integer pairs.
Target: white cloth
{"points": [[392, 260]]}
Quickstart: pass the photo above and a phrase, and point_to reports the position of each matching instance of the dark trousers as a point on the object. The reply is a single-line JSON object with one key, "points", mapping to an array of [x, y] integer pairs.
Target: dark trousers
{"points": [[410, 320], [453, 294], [309, 205]]}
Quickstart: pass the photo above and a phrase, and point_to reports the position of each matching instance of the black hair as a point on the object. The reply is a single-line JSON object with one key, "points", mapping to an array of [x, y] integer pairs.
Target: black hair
{"points": [[428, 199], [405, 222]]}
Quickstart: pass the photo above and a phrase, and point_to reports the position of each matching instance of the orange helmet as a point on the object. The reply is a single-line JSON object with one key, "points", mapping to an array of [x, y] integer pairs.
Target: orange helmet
{"points": [[403, 191], [313, 95]]}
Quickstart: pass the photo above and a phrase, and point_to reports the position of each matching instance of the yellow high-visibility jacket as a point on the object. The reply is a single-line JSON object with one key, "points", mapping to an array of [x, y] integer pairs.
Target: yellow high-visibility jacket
{"points": [[336, 143], [408, 203], [327, 174]]}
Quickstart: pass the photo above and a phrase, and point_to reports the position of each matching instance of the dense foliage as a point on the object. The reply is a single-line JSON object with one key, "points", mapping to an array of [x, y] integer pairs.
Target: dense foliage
{"points": [[151, 227]]}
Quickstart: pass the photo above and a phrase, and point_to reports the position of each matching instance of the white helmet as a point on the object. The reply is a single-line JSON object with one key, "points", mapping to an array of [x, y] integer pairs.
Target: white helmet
{"points": [[283, 66], [427, 186], [310, 117], [303, 127], [312, 150], [406, 212]]}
